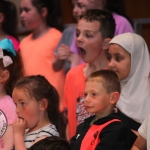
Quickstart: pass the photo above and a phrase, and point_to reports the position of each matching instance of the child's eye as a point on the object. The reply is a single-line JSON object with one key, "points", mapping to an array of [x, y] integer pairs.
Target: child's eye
{"points": [[89, 36], [77, 34], [109, 57], [85, 95], [23, 103], [118, 58], [94, 94]]}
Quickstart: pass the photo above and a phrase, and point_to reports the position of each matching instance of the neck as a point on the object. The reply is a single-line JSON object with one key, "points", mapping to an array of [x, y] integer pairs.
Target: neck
{"points": [[40, 31], [98, 64]]}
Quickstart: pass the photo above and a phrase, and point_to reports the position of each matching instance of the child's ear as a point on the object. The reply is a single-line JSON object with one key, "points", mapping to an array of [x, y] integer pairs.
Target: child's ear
{"points": [[4, 76], [105, 45], [114, 97], [1, 17], [43, 104], [44, 12]]}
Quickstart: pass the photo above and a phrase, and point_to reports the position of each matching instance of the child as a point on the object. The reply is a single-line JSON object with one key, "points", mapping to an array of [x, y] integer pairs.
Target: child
{"points": [[142, 142], [10, 72], [128, 56], [37, 49], [9, 22], [104, 130], [94, 31], [67, 53], [37, 107], [122, 25], [51, 143]]}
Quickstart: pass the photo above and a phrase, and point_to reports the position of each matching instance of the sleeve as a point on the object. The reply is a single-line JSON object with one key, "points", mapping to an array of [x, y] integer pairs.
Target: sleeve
{"points": [[115, 136], [66, 38], [143, 128]]}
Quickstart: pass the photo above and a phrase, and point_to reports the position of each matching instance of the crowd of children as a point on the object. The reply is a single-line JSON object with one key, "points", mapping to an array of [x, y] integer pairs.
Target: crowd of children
{"points": [[105, 93]]}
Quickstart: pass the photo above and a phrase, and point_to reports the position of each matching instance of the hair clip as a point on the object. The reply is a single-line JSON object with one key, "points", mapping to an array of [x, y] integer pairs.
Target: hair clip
{"points": [[7, 45], [6, 59]]}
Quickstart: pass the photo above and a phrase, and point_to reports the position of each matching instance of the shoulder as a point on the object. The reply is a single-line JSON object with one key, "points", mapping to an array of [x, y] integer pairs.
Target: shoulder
{"points": [[76, 70], [48, 130], [55, 32], [69, 30], [15, 42]]}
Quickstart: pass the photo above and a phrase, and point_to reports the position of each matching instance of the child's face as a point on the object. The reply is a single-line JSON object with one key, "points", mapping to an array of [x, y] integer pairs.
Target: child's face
{"points": [[89, 4], [119, 60], [26, 108], [78, 10], [97, 100], [89, 40], [30, 17]]}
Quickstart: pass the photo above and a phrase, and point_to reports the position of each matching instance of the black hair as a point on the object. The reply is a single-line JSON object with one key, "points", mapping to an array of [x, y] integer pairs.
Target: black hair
{"points": [[51, 143], [54, 16], [10, 23], [109, 80], [106, 20], [39, 88]]}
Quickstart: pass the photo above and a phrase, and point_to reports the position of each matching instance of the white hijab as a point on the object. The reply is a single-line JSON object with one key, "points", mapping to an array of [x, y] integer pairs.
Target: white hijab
{"points": [[135, 95]]}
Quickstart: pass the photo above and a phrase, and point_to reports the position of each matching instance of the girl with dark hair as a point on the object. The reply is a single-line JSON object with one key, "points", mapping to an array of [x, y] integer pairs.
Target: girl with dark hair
{"points": [[37, 107], [10, 72], [9, 22], [43, 17]]}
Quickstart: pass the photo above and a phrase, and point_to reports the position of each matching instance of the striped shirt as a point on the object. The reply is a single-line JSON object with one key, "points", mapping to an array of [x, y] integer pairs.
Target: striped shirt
{"points": [[48, 130]]}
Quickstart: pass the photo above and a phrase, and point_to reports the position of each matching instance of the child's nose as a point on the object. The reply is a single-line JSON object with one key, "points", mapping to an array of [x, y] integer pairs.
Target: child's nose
{"points": [[79, 39], [17, 110], [86, 100], [111, 64]]}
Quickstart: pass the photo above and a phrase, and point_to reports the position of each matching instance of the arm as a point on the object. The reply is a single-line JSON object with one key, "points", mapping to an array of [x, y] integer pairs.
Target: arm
{"points": [[63, 54], [140, 143], [7, 139], [19, 127]]}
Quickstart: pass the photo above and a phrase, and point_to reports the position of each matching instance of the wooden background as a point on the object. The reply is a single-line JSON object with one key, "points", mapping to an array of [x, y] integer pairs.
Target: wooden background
{"points": [[135, 9]]}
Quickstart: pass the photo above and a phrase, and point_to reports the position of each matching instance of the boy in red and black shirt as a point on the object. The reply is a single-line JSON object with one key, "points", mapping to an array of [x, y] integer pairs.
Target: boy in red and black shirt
{"points": [[105, 130]]}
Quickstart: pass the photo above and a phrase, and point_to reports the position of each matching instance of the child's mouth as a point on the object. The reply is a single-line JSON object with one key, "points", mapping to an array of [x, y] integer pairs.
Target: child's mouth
{"points": [[82, 51]]}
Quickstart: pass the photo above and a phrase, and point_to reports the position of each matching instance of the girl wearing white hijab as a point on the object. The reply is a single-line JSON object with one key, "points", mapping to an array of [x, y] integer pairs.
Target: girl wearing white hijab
{"points": [[129, 57]]}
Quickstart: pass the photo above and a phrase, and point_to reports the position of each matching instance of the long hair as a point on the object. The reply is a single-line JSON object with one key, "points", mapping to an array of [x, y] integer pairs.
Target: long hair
{"points": [[39, 88], [10, 23], [54, 16]]}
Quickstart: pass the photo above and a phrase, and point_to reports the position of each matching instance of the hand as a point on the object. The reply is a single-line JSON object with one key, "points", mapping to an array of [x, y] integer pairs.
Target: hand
{"points": [[63, 52], [19, 127]]}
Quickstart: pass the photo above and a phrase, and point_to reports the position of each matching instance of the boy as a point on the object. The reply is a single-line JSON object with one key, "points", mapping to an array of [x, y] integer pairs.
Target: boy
{"points": [[51, 143], [104, 130], [94, 31]]}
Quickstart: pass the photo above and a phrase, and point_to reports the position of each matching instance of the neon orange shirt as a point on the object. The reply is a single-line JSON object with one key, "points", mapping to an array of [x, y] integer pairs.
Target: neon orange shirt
{"points": [[38, 55]]}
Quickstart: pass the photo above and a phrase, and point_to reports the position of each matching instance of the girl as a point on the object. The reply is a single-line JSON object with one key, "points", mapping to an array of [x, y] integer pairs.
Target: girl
{"points": [[37, 107], [37, 49], [9, 22], [10, 72], [128, 56]]}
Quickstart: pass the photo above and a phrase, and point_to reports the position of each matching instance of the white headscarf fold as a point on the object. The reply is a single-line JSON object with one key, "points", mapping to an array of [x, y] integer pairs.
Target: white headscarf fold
{"points": [[135, 95]]}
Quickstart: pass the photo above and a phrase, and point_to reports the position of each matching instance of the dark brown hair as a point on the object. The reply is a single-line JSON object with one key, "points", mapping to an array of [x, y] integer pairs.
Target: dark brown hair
{"points": [[106, 20], [39, 88]]}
